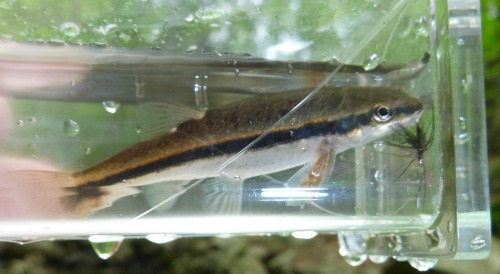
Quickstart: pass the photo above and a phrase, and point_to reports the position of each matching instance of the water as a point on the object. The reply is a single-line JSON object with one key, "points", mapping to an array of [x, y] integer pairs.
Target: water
{"points": [[86, 101], [90, 135]]}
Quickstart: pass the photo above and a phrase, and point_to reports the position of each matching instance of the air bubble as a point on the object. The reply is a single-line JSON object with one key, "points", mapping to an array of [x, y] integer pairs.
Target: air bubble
{"points": [[111, 106], [20, 123], [236, 71], [70, 29], [463, 138], [460, 42], [371, 62], [478, 242], [71, 128], [87, 150], [379, 176], [463, 124], [200, 91], [290, 68], [422, 264]]}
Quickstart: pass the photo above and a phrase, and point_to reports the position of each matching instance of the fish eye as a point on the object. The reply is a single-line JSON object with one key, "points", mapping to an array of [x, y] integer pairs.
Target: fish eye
{"points": [[383, 113]]}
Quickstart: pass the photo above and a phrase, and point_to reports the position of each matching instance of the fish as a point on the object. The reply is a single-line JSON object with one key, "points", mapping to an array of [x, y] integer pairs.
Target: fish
{"points": [[256, 136]]}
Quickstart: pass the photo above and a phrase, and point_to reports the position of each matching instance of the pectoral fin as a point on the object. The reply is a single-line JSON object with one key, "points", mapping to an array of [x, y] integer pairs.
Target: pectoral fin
{"points": [[315, 173]]}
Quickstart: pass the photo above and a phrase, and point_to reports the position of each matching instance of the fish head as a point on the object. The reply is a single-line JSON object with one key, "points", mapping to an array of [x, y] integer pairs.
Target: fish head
{"points": [[381, 112]]}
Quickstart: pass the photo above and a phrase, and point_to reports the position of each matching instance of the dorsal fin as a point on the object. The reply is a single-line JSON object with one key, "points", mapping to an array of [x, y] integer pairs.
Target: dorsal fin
{"points": [[156, 118]]}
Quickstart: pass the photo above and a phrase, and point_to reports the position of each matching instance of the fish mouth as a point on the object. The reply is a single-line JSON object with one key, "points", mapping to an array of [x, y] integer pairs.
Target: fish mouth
{"points": [[411, 119]]}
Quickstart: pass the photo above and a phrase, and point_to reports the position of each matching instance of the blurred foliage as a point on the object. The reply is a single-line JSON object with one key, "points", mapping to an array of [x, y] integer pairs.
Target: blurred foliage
{"points": [[491, 35]]}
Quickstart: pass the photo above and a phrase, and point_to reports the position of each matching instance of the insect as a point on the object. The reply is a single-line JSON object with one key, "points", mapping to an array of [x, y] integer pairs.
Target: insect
{"points": [[415, 141], [260, 135]]}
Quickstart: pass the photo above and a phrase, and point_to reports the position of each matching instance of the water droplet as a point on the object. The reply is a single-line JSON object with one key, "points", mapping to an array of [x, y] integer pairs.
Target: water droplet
{"points": [[371, 62], [292, 133], [422, 264], [88, 150], [354, 260], [400, 258], [290, 68], [189, 18], [105, 246], [460, 42], [378, 259], [71, 128], [306, 235], [478, 242], [236, 71], [20, 123], [161, 238], [138, 129], [72, 83], [70, 29], [32, 120], [111, 106]]}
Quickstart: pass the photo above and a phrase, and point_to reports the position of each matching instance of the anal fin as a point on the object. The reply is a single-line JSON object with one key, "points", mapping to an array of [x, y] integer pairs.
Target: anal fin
{"points": [[222, 195]]}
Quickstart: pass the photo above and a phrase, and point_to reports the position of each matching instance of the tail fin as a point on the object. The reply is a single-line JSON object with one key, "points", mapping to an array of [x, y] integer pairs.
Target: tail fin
{"points": [[48, 195]]}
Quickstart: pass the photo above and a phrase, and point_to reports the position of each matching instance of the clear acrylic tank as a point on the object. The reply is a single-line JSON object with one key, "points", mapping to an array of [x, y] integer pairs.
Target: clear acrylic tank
{"points": [[81, 82]]}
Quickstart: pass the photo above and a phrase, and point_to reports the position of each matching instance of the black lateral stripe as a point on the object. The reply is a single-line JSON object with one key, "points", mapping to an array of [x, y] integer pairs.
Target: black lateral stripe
{"points": [[343, 126]]}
